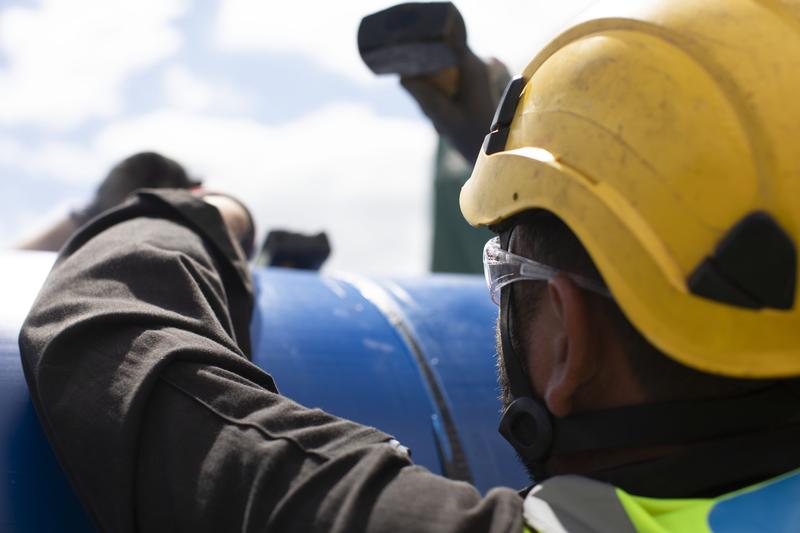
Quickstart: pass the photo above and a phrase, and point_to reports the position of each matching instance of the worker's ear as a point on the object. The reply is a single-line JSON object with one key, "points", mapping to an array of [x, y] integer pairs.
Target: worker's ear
{"points": [[571, 347]]}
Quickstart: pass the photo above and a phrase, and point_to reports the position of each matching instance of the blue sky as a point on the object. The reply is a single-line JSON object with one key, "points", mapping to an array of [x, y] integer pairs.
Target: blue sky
{"points": [[267, 100]]}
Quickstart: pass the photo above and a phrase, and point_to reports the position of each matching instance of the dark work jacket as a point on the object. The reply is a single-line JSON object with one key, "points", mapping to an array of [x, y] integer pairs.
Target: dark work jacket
{"points": [[136, 355]]}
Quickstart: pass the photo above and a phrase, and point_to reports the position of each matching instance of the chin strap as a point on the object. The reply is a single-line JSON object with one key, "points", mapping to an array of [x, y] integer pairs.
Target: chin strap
{"points": [[526, 423], [537, 435]]}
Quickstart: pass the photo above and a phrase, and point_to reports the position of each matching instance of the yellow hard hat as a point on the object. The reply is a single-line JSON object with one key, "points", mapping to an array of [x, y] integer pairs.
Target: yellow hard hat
{"points": [[666, 135]]}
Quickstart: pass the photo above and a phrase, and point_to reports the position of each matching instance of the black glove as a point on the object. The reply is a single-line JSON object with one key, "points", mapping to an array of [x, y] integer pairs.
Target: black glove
{"points": [[145, 170]]}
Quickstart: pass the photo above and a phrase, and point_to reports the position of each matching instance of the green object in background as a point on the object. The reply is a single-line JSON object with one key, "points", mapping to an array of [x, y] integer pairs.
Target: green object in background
{"points": [[457, 246]]}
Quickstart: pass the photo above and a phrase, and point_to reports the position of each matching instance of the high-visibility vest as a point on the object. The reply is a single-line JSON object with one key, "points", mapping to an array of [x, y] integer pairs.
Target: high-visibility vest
{"points": [[573, 504]]}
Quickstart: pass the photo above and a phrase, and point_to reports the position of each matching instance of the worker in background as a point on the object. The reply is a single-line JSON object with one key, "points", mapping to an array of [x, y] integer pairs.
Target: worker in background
{"points": [[641, 176], [142, 170]]}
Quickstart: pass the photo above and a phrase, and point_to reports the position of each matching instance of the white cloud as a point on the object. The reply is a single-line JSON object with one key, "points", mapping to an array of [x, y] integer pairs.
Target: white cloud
{"points": [[511, 30], [323, 31], [67, 59], [514, 30], [9, 150], [186, 91]]}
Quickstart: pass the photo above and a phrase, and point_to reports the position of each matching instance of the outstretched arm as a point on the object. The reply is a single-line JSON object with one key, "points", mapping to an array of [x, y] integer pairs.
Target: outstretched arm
{"points": [[136, 354]]}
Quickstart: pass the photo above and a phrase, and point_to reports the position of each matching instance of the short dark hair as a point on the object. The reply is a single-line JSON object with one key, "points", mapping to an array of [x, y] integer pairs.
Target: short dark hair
{"points": [[544, 237]]}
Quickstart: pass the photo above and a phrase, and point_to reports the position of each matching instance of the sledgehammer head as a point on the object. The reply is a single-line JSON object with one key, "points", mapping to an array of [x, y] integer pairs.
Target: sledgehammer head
{"points": [[413, 39]]}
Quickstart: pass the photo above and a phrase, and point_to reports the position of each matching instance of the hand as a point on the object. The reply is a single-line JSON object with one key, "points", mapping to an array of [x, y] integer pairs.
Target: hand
{"points": [[464, 118], [237, 219], [139, 171]]}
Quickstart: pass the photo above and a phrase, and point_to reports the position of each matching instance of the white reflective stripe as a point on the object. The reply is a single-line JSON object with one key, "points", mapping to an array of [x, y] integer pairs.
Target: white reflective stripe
{"points": [[576, 504], [539, 516]]}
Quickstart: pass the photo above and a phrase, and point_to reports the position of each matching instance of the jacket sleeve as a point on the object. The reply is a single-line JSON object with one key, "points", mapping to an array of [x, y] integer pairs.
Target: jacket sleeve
{"points": [[136, 354]]}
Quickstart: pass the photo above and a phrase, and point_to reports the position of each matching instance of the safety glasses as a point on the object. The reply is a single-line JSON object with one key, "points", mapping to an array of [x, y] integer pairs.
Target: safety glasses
{"points": [[501, 268]]}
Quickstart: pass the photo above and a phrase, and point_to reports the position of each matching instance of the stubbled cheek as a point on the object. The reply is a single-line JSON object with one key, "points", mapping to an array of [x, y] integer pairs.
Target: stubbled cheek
{"points": [[502, 377]]}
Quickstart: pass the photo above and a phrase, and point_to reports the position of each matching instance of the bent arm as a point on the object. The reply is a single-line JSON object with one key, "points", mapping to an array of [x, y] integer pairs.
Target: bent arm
{"points": [[136, 355]]}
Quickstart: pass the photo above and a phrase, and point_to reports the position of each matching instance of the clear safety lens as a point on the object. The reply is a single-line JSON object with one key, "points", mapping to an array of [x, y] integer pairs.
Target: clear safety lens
{"points": [[501, 268]]}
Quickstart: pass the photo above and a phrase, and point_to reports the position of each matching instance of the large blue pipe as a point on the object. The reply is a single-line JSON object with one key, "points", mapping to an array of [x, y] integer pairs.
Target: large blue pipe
{"points": [[414, 358]]}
